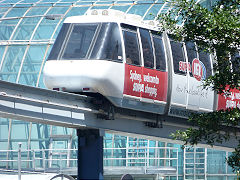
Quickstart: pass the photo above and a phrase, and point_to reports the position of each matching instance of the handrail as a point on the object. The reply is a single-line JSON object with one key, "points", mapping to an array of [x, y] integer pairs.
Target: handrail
{"points": [[49, 153]]}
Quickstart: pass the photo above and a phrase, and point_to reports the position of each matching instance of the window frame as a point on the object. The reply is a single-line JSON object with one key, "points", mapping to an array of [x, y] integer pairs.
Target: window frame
{"points": [[96, 41], [182, 73], [154, 35], [210, 62], [151, 47], [131, 29], [63, 49], [190, 61]]}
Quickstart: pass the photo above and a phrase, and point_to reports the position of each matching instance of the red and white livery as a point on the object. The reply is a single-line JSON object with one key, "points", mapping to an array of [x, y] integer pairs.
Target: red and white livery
{"points": [[126, 60]]}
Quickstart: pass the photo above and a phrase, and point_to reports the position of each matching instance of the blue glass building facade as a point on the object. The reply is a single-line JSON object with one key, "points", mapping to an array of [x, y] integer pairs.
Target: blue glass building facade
{"points": [[26, 38]]}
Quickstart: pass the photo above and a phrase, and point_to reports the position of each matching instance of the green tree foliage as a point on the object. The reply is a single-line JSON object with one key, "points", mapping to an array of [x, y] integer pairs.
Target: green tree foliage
{"points": [[215, 29]]}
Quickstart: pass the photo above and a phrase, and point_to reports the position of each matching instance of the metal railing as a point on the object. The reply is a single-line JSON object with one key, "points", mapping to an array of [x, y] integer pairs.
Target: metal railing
{"points": [[65, 160], [43, 160], [147, 156]]}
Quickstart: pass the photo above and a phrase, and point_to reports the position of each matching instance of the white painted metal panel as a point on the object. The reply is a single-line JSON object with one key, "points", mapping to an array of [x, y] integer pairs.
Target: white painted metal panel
{"points": [[179, 90], [105, 77]]}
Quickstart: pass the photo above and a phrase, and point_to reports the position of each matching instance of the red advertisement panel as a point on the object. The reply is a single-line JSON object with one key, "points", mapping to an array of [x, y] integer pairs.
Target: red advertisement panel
{"points": [[133, 81], [230, 101], [146, 83]]}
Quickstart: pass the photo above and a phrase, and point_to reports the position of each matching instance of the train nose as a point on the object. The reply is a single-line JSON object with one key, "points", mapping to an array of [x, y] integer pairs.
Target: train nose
{"points": [[50, 73], [52, 69], [72, 76]]}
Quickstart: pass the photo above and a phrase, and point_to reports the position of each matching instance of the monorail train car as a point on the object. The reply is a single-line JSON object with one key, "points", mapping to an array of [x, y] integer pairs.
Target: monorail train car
{"points": [[130, 63]]}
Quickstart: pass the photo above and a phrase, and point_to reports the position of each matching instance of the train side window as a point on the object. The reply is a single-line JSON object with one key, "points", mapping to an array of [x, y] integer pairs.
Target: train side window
{"points": [[147, 48], [179, 63], [79, 41], [128, 27], [159, 53], [204, 57], [191, 53], [108, 44], [235, 60], [131, 47]]}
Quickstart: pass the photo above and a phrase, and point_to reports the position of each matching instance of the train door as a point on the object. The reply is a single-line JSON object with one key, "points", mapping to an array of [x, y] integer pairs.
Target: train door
{"points": [[207, 95], [161, 68], [148, 72], [154, 75], [133, 83], [179, 68], [144, 86], [194, 76], [198, 98], [233, 100]]}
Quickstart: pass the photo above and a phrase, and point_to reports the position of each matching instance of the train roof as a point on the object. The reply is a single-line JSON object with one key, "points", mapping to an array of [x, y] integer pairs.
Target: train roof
{"points": [[110, 15]]}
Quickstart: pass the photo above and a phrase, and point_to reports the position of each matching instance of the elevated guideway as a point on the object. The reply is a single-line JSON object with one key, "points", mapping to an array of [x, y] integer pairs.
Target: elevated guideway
{"points": [[77, 111]]}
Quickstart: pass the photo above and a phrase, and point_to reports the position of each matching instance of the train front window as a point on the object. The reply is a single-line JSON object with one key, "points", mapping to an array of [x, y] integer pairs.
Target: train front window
{"points": [[95, 41], [108, 44], [79, 41], [59, 42]]}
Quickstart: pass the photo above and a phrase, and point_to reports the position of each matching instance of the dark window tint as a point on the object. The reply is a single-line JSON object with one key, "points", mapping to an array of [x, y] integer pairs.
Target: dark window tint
{"points": [[178, 58], [191, 53], [159, 53], [108, 44], [205, 59], [147, 48], [79, 41], [131, 47], [126, 26], [59, 42], [235, 59]]}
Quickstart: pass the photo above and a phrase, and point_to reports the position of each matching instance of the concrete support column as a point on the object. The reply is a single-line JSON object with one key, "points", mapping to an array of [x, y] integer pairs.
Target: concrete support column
{"points": [[90, 154]]}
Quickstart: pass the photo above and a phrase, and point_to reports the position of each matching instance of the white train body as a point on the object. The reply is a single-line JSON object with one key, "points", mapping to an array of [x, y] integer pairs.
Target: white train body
{"points": [[79, 77], [128, 62]]}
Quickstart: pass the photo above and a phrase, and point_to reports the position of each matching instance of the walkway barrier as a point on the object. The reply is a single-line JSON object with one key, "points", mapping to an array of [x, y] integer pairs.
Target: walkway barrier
{"points": [[132, 160]]}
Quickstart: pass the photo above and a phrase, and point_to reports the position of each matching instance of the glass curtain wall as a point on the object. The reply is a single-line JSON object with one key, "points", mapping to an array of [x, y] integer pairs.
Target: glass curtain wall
{"points": [[26, 38]]}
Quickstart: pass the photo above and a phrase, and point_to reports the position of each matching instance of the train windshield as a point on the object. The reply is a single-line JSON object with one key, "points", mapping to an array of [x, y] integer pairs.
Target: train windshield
{"points": [[101, 41]]}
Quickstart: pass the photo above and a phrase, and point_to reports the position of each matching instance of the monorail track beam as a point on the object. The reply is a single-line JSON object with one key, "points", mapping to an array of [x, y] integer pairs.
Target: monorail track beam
{"points": [[75, 111]]}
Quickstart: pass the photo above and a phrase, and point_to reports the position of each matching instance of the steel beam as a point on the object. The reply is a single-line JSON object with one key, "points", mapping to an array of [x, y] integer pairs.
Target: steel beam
{"points": [[90, 154], [70, 110]]}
